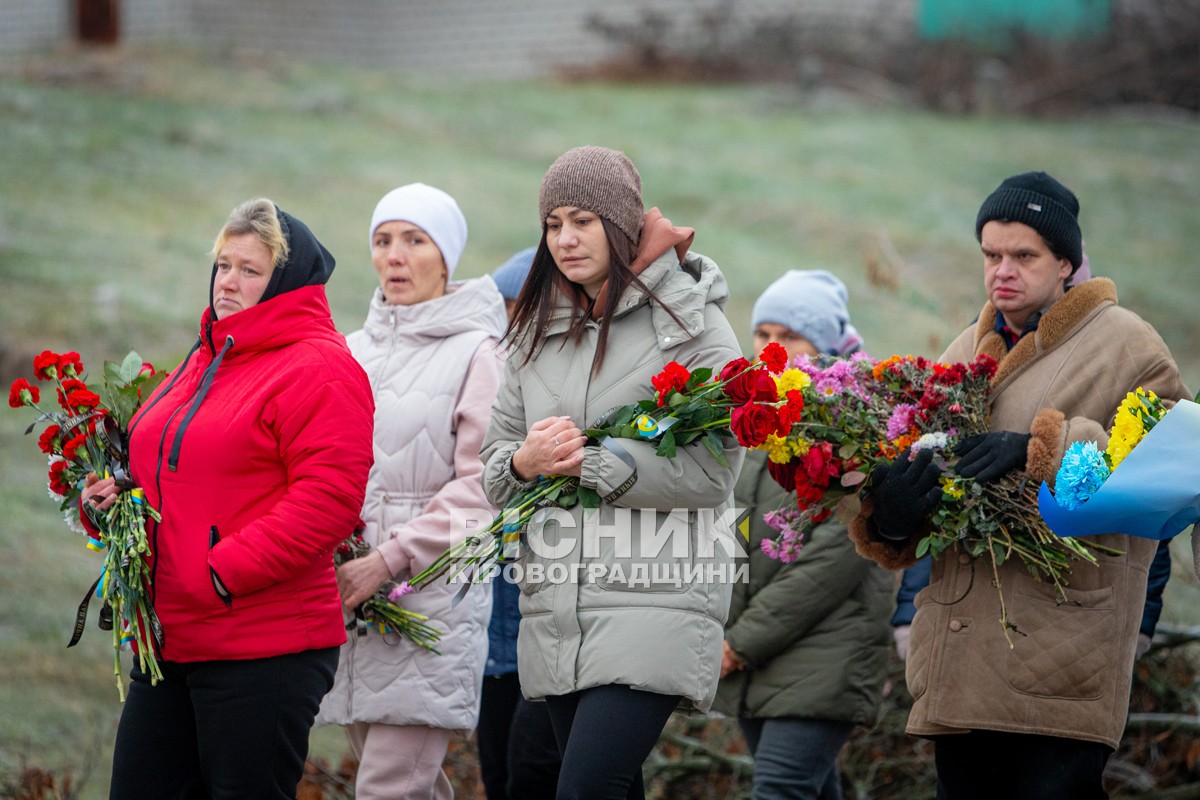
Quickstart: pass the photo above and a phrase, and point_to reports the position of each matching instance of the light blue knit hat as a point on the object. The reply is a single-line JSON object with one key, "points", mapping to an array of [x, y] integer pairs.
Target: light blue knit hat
{"points": [[510, 276], [813, 304]]}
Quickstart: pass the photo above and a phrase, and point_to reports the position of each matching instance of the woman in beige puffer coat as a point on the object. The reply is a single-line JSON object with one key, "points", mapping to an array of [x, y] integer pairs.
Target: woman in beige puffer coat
{"points": [[623, 606], [430, 349]]}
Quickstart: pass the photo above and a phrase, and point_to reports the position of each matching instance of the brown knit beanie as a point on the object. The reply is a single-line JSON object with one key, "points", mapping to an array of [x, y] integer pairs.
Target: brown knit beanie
{"points": [[599, 180]]}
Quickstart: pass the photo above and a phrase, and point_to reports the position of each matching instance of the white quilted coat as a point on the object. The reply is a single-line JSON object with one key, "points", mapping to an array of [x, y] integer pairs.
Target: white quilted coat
{"points": [[434, 368]]}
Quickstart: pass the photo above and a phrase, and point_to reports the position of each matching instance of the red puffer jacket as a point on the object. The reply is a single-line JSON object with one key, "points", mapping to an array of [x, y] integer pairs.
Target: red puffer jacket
{"points": [[256, 452]]}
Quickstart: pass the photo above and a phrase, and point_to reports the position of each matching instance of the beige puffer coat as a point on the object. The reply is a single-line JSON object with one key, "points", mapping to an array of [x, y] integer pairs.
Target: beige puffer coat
{"points": [[601, 628], [434, 368]]}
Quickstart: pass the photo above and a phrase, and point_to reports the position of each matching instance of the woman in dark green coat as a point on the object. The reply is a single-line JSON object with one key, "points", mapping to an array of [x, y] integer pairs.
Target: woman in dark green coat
{"points": [[806, 643]]}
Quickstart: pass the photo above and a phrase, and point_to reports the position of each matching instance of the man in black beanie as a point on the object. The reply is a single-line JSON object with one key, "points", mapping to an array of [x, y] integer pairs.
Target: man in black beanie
{"points": [[1036, 719]]}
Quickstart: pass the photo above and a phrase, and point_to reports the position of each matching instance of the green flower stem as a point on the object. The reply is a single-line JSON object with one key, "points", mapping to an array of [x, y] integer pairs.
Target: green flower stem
{"points": [[457, 554]]}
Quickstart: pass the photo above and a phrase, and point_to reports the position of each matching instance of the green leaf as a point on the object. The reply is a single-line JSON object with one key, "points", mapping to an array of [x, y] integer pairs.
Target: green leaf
{"points": [[847, 450], [666, 446], [696, 378], [923, 547], [588, 498], [676, 400], [130, 367], [714, 444]]}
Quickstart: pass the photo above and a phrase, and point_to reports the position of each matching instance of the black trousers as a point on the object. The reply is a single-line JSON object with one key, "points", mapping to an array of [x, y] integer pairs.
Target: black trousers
{"points": [[994, 765], [220, 729], [518, 754], [604, 735]]}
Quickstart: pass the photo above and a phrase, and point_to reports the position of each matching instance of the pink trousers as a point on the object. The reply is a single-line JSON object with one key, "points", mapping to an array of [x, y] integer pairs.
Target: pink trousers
{"points": [[400, 762]]}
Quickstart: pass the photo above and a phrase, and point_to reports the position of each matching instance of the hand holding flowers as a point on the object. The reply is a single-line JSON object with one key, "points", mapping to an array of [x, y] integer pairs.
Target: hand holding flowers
{"points": [[381, 611], [687, 407]]}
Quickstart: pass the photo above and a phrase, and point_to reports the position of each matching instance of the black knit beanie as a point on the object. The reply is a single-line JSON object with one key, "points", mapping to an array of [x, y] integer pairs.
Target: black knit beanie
{"points": [[1039, 201], [599, 180]]}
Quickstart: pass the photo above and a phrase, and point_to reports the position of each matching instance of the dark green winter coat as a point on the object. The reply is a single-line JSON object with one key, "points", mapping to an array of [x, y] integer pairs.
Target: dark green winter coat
{"points": [[815, 632]]}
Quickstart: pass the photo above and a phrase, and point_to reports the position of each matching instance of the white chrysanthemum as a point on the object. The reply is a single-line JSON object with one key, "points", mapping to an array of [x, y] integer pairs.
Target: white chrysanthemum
{"points": [[930, 441]]}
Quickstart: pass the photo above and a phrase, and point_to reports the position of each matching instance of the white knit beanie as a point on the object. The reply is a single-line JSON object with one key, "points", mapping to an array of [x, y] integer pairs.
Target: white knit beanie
{"points": [[431, 210]]}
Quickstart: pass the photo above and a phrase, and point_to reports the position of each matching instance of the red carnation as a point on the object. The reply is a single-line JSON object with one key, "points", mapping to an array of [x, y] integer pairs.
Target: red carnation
{"points": [[48, 439], [70, 365], [673, 377], [58, 484], [68, 386], [735, 367], [70, 449], [775, 357], [752, 423], [753, 385], [23, 393], [45, 365], [82, 399], [147, 369], [791, 412]]}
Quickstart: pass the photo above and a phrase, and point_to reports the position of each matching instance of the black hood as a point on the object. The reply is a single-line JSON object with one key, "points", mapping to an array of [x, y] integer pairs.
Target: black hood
{"points": [[308, 262]]}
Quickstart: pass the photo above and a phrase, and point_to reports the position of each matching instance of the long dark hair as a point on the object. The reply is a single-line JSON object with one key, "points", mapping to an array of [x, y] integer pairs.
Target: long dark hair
{"points": [[531, 314]]}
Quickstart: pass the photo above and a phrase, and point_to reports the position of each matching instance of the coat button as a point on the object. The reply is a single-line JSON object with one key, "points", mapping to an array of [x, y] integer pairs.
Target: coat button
{"points": [[964, 558], [666, 340], [955, 625]]}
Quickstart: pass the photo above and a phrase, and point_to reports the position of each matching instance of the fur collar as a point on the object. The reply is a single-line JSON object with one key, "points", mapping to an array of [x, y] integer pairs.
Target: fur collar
{"points": [[1054, 327]]}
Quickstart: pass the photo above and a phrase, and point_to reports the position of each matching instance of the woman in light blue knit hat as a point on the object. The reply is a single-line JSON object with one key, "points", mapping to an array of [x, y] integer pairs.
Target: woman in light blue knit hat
{"points": [[805, 311], [806, 644]]}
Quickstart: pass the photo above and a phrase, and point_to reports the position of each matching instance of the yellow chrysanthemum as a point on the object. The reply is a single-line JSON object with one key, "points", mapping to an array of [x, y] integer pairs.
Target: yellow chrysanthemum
{"points": [[778, 449], [1128, 428], [791, 379], [800, 446], [951, 489]]}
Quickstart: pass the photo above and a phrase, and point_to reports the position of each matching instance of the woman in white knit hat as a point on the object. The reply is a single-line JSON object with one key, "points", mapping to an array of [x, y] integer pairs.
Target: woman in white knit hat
{"points": [[430, 348]]}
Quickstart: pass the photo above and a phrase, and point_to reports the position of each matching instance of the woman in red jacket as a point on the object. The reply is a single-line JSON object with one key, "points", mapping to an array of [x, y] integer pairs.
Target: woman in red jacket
{"points": [[256, 452]]}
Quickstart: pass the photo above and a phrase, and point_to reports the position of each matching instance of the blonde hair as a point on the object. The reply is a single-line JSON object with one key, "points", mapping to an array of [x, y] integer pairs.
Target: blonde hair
{"points": [[259, 218]]}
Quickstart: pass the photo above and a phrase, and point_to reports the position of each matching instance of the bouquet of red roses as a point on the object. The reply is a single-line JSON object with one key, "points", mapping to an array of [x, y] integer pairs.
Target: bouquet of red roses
{"points": [[688, 406], [87, 433]]}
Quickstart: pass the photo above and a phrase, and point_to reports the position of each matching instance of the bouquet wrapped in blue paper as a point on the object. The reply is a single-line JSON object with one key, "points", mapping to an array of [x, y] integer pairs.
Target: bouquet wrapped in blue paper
{"points": [[1140, 484]]}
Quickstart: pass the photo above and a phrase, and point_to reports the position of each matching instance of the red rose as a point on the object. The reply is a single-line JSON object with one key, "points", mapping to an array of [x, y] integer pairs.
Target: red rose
{"points": [[47, 441], [23, 393], [753, 385], [674, 376], [735, 367], [819, 464], [775, 357], [784, 474], [752, 423], [70, 365], [45, 365], [58, 484], [807, 495]]}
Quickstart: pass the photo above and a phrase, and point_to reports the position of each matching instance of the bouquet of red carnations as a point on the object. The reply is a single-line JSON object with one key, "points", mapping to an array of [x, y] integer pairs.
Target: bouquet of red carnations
{"points": [[688, 406], [87, 433]]}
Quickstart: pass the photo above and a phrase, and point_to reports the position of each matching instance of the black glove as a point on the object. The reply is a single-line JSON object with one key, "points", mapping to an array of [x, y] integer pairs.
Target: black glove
{"points": [[905, 493], [987, 456]]}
